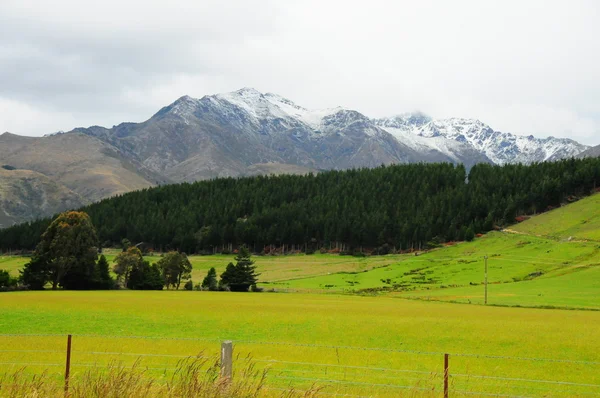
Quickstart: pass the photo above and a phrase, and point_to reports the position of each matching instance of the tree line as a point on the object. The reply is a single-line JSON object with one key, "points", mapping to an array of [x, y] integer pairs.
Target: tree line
{"points": [[399, 206], [67, 257]]}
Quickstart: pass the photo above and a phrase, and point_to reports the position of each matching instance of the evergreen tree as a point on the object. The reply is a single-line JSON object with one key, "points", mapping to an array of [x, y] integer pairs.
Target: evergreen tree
{"points": [[210, 281], [469, 234], [227, 277], [103, 278], [36, 273], [145, 277], [241, 276], [405, 206]]}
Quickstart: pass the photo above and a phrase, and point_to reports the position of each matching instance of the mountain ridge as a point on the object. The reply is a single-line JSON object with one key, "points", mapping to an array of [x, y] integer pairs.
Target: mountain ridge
{"points": [[247, 132]]}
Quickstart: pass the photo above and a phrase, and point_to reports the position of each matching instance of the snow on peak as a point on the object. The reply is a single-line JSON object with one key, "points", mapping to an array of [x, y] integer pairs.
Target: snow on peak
{"points": [[404, 121], [270, 113]]}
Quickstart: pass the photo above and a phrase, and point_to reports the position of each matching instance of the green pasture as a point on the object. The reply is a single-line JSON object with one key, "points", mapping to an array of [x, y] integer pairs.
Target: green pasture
{"points": [[511, 258], [13, 263], [348, 344], [579, 220]]}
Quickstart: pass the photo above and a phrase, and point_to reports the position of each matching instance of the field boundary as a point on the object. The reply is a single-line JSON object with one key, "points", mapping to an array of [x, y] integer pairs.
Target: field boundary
{"points": [[372, 378]]}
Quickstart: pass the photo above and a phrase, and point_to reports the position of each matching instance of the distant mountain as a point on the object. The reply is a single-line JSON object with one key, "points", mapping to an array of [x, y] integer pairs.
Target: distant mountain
{"points": [[500, 148], [229, 134], [60, 172], [592, 152], [247, 132], [26, 195]]}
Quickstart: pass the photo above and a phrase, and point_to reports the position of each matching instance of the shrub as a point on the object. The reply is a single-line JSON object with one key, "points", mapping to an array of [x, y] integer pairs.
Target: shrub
{"points": [[189, 285], [7, 282]]}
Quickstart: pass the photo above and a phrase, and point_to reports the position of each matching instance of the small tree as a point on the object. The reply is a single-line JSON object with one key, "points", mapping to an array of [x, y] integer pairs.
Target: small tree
{"points": [[175, 267], [469, 234], [36, 273], [7, 281], [145, 277], [210, 281], [228, 277], [125, 244], [125, 262], [103, 278]]}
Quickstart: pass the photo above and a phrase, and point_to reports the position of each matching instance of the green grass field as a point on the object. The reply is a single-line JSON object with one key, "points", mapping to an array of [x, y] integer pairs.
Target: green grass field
{"points": [[420, 332], [579, 220], [372, 342]]}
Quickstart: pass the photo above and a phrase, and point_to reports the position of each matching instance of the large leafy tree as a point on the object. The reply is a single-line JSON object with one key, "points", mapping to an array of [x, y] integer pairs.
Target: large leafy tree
{"points": [[66, 255], [175, 267], [125, 262]]}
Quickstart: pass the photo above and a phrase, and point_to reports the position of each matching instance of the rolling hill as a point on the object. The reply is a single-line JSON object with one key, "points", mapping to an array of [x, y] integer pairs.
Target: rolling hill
{"points": [[531, 264]]}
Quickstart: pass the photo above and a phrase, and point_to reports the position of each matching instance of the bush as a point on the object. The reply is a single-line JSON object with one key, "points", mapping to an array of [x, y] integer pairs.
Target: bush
{"points": [[189, 285], [7, 282]]}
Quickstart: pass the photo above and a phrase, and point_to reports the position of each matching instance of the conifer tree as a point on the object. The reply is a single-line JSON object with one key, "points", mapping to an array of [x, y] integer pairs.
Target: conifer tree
{"points": [[210, 281], [103, 278]]}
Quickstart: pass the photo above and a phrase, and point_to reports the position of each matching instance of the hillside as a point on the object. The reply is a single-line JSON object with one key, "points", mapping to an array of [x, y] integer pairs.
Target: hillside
{"points": [[577, 221], [592, 152], [406, 207], [80, 168], [27, 195], [525, 270]]}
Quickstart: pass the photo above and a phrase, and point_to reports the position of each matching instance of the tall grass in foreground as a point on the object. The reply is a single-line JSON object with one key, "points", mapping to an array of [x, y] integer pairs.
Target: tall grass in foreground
{"points": [[193, 377]]}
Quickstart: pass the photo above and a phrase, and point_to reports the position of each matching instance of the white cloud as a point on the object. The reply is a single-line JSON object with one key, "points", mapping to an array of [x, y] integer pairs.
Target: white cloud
{"points": [[526, 67]]}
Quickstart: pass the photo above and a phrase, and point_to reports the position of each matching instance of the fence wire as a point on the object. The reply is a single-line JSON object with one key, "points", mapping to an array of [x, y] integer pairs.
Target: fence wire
{"points": [[349, 379]]}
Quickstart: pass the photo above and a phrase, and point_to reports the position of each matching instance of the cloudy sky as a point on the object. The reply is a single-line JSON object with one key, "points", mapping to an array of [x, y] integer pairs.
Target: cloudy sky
{"points": [[527, 67]]}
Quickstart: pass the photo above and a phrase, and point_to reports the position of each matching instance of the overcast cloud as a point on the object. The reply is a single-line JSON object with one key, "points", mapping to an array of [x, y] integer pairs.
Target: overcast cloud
{"points": [[526, 67]]}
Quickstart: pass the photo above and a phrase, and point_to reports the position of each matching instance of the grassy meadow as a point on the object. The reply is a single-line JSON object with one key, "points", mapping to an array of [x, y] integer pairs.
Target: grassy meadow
{"points": [[579, 221], [382, 330], [308, 338]]}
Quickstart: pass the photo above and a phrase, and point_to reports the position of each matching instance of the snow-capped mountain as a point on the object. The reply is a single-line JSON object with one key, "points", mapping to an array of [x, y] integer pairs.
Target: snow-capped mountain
{"points": [[247, 132], [499, 147]]}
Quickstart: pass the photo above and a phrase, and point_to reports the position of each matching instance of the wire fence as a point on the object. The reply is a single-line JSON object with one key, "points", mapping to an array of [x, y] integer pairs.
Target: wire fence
{"points": [[343, 371]]}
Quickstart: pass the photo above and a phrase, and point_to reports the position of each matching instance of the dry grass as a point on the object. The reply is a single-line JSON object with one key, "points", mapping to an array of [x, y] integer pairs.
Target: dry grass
{"points": [[194, 377]]}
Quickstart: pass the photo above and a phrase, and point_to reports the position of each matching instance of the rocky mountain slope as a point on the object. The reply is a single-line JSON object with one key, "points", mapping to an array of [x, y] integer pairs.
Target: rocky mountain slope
{"points": [[497, 146], [26, 195], [229, 134], [592, 152], [247, 132]]}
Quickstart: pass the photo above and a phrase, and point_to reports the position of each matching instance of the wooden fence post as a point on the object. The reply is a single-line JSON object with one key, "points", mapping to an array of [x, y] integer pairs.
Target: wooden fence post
{"points": [[226, 359], [68, 366], [446, 375]]}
